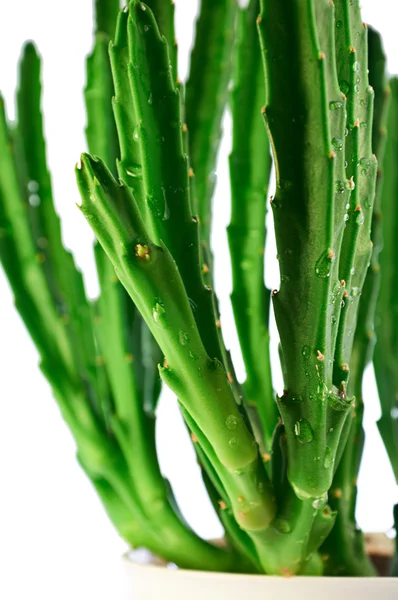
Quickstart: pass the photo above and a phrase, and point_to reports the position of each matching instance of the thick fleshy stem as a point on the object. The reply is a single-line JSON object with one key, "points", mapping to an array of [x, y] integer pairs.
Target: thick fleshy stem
{"points": [[130, 357], [304, 132], [386, 321], [361, 171], [206, 98], [250, 166], [151, 277], [353, 560]]}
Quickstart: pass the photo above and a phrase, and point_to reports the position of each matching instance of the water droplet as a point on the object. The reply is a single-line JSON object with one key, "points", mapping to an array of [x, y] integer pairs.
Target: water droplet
{"points": [[346, 217], [136, 134], [356, 66], [134, 171], [245, 265], [231, 422], [356, 88], [303, 431], [329, 458], [335, 105], [355, 292], [339, 24], [150, 98], [183, 337], [297, 399], [345, 164], [334, 320], [305, 351], [282, 525], [166, 210], [34, 200], [339, 401], [337, 143], [394, 413], [344, 87], [232, 442], [368, 203], [158, 313], [321, 502], [146, 28], [360, 218], [364, 162], [363, 125], [323, 264], [362, 102], [33, 187], [339, 186]]}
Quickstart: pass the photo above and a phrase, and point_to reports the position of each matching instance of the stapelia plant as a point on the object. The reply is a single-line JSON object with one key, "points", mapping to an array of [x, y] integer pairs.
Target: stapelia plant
{"points": [[280, 470]]}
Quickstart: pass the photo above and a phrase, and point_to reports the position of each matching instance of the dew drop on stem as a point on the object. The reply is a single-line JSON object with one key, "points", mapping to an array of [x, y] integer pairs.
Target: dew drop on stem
{"points": [[303, 431]]}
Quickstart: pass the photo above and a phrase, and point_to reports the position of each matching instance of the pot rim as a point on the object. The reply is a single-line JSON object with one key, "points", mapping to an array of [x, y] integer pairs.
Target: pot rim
{"points": [[144, 561]]}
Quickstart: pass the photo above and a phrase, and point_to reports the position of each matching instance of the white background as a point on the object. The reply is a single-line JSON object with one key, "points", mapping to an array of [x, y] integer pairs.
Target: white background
{"points": [[52, 527]]}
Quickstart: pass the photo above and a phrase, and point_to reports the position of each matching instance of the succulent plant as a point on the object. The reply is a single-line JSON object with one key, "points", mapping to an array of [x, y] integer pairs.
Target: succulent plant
{"points": [[280, 470]]}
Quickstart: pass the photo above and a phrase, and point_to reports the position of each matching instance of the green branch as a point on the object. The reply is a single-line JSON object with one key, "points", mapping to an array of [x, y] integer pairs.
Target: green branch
{"points": [[250, 166]]}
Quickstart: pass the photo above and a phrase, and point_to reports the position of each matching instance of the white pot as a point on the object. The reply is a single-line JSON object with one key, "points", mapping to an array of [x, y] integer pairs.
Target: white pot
{"points": [[147, 579]]}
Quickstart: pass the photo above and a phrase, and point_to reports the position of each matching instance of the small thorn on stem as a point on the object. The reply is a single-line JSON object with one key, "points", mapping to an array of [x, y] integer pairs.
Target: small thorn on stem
{"points": [[258, 20], [337, 493], [222, 505], [205, 268], [190, 172], [345, 367], [129, 358], [319, 355], [165, 364], [322, 56], [263, 110], [142, 251], [185, 128], [194, 438], [266, 457], [342, 283], [356, 124], [218, 324], [229, 377], [331, 254], [352, 49]]}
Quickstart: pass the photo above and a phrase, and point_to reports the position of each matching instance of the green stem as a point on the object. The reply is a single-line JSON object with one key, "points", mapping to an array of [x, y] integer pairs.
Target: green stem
{"points": [[250, 166]]}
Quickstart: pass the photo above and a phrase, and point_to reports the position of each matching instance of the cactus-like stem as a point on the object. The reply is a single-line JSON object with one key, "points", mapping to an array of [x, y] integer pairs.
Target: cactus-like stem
{"points": [[386, 322], [152, 279], [206, 97], [167, 212], [354, 561], [50, 297], [250, 165], [361, 170], [105, 16], [130, 358], [163, 11], [305, 131]]}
